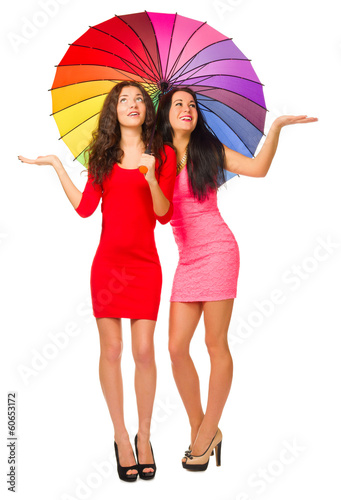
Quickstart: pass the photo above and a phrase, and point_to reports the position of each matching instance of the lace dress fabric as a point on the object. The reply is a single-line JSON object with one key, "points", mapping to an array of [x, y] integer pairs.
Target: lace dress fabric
{"points": [[208, 265]]}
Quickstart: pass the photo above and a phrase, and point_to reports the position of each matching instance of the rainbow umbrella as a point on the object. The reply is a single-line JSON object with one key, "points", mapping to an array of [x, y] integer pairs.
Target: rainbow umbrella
{"points": [[160, 51]]}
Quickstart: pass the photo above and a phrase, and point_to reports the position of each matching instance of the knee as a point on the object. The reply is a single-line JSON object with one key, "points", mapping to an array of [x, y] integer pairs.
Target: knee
{"points": [[177, 351], [144, 355], [112, 352], [218, 348]]}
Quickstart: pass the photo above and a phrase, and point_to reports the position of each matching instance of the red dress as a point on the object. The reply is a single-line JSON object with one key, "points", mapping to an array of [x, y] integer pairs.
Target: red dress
{"points": [[126, 274]]}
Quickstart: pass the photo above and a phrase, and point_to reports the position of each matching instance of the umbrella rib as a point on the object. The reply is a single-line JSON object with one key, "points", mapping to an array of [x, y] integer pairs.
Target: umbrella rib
{"points": [[88, 98], [182, 50], [186, 76], [143, 44], [171, 41], [206, 47], [91, 81], [78, 102], [213, 87], [198, 68], [128, 63], [236, 93], [206, 77], [210, 99], [241, 140], [157, 46], [146, 82], [129, 48], [234, 110], [79, 124], [76, 157]]}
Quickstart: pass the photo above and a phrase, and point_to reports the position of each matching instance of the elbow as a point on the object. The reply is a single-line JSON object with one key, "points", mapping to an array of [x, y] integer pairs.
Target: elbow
{"points": [[164, 219], [260, 173], [264, 173], [81, 212]]}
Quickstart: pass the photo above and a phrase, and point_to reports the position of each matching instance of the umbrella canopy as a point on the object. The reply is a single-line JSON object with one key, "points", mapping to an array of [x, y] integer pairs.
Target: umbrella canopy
{"points": [[161, 52]]}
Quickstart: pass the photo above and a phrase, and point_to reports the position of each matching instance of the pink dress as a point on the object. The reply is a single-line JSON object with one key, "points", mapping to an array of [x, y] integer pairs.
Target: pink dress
{"points": [[208, 265]]}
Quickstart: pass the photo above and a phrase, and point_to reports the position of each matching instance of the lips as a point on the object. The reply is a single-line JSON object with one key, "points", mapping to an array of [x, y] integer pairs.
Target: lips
{"points": [[134, 113], [186, 118]]}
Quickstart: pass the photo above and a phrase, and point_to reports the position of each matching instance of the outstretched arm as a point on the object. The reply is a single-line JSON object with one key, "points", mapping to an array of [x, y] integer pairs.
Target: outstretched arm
{"points": [[259, 166], [70, 189]]}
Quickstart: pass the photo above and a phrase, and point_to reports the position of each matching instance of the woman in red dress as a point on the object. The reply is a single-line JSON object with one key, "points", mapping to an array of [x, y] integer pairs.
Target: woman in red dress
{"points": [[126, 273]]}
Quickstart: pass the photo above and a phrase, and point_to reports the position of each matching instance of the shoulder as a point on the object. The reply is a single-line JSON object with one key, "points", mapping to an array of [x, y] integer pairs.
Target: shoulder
{"points": [[168, 153]]}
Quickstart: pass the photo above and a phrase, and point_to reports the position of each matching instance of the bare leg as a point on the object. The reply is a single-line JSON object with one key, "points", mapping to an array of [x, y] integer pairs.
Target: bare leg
{"points": [[183, 320], [217, 316], [142, 331], [110, 375]]}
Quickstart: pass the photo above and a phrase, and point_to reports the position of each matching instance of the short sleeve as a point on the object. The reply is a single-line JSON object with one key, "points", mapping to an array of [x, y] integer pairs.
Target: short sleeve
{"points": [[166, 180], [90, 198]]}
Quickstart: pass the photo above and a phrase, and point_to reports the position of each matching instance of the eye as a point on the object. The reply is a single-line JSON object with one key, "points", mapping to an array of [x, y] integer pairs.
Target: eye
{"points": [[123, 99], [193, 106], [178, 104], [140, 99]]}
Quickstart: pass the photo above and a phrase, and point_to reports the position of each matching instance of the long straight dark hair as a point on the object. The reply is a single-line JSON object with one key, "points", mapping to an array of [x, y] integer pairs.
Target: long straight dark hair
{"points": [[104, 149], [206, 154]]}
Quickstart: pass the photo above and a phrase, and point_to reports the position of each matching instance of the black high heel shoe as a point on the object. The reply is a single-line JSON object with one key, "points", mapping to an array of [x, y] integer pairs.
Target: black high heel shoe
{"points": [[145, 475], [122, 471]]}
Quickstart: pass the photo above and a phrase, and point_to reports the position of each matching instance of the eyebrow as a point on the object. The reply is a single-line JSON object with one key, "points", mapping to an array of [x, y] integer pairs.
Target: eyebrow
{"points": [[182, 100], [126, 95]]}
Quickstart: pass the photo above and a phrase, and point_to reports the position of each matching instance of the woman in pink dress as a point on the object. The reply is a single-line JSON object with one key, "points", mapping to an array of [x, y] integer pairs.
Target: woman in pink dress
{"points": [[205, 280]]}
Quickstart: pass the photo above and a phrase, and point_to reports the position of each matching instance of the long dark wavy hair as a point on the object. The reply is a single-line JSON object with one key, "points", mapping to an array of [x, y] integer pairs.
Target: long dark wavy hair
{"points": [[104, 150], [206, 155]]}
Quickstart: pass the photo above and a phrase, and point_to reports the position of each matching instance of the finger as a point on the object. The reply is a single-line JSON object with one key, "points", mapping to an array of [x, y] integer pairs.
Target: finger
{"points": [[307, 120], [25, 160]]}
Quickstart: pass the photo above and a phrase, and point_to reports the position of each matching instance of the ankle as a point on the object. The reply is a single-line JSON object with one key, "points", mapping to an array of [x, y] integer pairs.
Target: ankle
{"points": [[207, 432], [143, 437], [122, 437], [196, 424]]}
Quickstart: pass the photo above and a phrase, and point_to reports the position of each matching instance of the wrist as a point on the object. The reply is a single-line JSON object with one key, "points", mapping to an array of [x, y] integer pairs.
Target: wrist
{"points": [[57, 164], [277, 126], [152, 182]]}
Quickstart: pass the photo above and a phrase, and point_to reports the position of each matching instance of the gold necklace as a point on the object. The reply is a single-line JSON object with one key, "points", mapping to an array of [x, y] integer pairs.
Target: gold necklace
{"points": [[180, 165]]}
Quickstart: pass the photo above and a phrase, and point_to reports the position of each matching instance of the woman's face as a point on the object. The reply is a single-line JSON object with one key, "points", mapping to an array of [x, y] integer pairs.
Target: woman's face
{"points": [[183, 114], [131, 108]]}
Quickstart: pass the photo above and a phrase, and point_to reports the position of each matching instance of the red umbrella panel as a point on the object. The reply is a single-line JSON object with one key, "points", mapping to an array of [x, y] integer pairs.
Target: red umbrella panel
{"points": [[161, 52]]}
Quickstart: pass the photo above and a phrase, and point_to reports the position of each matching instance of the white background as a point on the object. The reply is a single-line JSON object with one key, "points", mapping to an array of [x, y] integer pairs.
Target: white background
{"points": [[281, 421]]}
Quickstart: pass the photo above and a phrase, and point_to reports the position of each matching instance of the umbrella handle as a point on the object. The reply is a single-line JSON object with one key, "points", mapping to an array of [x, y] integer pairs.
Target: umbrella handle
{"points": [[143, 169]]}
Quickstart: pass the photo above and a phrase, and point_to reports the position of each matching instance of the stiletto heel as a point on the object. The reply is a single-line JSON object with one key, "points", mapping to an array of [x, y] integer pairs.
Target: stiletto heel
{"points": [[218, 454], [200, 463], [145, 475], [122, 471]]}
